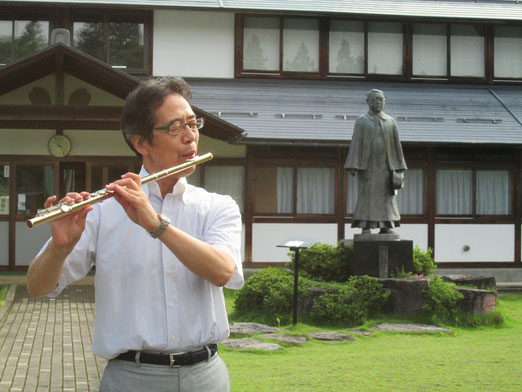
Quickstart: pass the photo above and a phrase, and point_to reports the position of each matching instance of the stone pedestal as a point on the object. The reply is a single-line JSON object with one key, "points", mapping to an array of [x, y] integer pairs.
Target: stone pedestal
{"points": [[380, 257]]}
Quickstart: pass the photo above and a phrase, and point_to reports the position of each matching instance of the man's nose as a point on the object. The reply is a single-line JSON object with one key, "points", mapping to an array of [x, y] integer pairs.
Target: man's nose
{"points": [[188, 134]]}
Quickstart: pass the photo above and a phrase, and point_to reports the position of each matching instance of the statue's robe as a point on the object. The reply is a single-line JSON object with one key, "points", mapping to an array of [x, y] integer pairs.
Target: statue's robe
{"points": [[375, 152]]}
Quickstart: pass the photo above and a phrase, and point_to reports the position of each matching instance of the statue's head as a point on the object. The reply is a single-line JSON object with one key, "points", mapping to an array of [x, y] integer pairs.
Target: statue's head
{"points": [[375, 100]]}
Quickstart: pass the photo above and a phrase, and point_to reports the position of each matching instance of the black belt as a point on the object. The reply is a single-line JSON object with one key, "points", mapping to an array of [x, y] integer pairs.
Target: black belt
{"points": [[172, 360]]}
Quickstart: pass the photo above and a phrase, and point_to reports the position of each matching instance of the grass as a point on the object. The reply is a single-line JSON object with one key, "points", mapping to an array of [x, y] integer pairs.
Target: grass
{"points": [[478, 359], [3, 293]]}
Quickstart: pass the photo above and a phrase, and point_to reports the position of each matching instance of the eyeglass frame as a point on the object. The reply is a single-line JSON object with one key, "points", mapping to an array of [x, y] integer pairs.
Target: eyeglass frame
{"points": [[200, 122]]}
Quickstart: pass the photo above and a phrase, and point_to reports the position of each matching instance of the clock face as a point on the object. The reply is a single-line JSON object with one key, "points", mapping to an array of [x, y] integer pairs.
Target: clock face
{"points": [[59, 146]]}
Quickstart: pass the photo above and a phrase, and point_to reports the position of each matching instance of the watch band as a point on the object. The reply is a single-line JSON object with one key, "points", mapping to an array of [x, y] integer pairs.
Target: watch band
{"points": [[165, 222]]}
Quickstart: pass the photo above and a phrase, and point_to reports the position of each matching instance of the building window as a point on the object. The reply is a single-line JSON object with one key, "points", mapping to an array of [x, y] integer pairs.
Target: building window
{"points": [[297, 47], [410, 199], [315, 190], [34, 184], [385, 48], [118, 40], [291, 190], [346, 47], [493, 192], [455, 189], [508, 52], [261, 44], [429, 47], [4, 189], [467, 45], [227, 180], [21, 37], [301, 45]]}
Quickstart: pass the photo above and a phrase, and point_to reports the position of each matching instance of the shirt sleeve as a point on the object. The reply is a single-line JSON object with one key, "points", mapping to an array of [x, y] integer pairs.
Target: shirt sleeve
{"points": [[82, 258], [223, 231]]}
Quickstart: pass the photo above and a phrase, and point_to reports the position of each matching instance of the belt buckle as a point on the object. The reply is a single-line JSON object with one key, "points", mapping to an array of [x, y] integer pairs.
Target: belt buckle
{"points": [[172, 360]]}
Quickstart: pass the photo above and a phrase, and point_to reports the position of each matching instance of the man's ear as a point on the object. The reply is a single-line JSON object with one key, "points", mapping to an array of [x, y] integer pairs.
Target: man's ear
{"points": [[141, 145]]}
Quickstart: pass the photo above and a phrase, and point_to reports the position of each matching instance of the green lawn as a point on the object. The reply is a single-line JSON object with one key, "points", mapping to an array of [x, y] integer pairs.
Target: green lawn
{"points": [[3, 293], [482, 359]]}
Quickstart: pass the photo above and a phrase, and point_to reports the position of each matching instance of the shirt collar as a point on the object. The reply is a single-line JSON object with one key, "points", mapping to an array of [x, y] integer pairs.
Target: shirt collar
{"points": [[152, 188]]}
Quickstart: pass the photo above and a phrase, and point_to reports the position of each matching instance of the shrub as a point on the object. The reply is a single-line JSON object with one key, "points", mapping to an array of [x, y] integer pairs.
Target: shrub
{"points": [[268, 292], [423, 261], [325, 262], [352, 304], [442, 300]]}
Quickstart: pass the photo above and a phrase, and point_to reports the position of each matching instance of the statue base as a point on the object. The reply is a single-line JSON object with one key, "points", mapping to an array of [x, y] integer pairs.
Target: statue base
{"points": [[380, 257], [376, 237]]}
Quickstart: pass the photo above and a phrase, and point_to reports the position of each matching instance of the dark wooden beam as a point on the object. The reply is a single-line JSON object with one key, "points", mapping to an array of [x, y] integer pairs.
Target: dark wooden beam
{"points": [[59, 116]]}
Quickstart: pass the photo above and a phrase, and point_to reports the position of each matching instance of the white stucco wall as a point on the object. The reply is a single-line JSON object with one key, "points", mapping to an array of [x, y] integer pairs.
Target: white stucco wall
{"points": [[25, 141], [193, 44], [99, 143], [266, 237], [487, 243]]}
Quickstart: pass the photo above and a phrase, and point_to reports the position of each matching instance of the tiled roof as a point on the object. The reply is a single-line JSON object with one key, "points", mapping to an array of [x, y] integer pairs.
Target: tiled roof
{"points": [[284, 111], [460, 9]]}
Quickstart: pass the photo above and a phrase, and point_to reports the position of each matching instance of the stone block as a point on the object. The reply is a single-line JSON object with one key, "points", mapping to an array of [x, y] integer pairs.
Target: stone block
{"points": [[405, 294], [477, 301], [381, 258], [479, 282]]}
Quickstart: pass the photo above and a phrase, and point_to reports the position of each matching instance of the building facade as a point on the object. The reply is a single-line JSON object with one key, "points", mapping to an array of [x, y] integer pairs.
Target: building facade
{"points": [[280, 84]]}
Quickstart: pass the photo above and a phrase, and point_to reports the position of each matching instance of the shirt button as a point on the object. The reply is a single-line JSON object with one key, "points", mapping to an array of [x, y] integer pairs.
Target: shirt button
{"points": [[172, 304], [173, 337], [169, 272]]}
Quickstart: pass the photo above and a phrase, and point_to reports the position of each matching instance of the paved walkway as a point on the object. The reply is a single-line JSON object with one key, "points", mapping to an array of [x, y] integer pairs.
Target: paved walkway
{"points": [[45, 343]]}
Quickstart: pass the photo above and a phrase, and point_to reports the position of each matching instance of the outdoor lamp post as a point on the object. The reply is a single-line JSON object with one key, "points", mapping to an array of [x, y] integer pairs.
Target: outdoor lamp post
{"points": [[295, 244]]}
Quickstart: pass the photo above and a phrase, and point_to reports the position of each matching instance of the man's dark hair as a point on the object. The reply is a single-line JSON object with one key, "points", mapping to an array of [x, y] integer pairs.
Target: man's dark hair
{"points": [[138, 117]]}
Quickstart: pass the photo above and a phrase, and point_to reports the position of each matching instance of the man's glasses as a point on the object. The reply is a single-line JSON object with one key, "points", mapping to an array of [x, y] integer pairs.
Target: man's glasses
{"points": [[176, 127]]}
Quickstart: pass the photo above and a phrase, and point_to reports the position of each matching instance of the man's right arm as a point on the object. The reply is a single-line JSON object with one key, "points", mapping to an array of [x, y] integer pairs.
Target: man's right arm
{"points": [[45, 269]]}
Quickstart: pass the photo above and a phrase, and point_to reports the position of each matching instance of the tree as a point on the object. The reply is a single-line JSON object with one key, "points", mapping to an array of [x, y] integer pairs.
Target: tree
{"points": [[254, 57], [31, 40], [126, 44], [90, 39], [302, 60]]}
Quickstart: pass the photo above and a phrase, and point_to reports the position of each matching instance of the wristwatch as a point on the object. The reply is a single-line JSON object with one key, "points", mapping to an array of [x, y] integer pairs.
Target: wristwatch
{"points": [[165, 222]]}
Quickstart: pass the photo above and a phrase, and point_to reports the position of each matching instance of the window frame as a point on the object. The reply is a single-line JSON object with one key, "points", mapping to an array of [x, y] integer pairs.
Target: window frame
{"points": [[296, 164], [488, 28], [18, 14], [107, 16], [474, 167]]}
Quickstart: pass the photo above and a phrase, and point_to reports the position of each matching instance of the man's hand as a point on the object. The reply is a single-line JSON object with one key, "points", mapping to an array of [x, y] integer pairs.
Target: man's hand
{"points": [[66, 231], [130, 195]]}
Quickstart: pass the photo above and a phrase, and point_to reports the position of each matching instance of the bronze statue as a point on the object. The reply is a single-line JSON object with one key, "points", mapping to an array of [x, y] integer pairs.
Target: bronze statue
{"points": [[375, 157]]}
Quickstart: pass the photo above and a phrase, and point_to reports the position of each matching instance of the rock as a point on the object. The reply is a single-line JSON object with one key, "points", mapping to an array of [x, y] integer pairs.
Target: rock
{"points": [[478, 301], [331, 336], [304, 306], [388, 327], [251, 328], [358, 332], [480, 282], [285, 338], [250, 344], [405, 294]]}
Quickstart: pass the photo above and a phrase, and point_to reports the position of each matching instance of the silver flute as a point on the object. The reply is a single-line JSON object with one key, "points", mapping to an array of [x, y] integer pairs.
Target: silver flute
{"points": [[59, 210]]}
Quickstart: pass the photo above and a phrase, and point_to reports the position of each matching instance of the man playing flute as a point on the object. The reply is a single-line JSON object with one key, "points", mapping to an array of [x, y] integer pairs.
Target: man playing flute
{"points": [[162, 251]]}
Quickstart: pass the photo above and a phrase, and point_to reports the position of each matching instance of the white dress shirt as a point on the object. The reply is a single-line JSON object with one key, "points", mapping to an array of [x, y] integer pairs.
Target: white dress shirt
{"points": [[146, 299]]}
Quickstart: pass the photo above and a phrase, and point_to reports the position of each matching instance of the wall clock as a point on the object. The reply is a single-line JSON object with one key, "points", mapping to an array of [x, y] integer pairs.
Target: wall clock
{"points": [[59, 146]]}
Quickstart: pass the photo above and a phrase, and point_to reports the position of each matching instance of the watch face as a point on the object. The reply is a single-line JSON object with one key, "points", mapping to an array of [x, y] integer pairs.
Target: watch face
{"points": [[59, 146]]}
